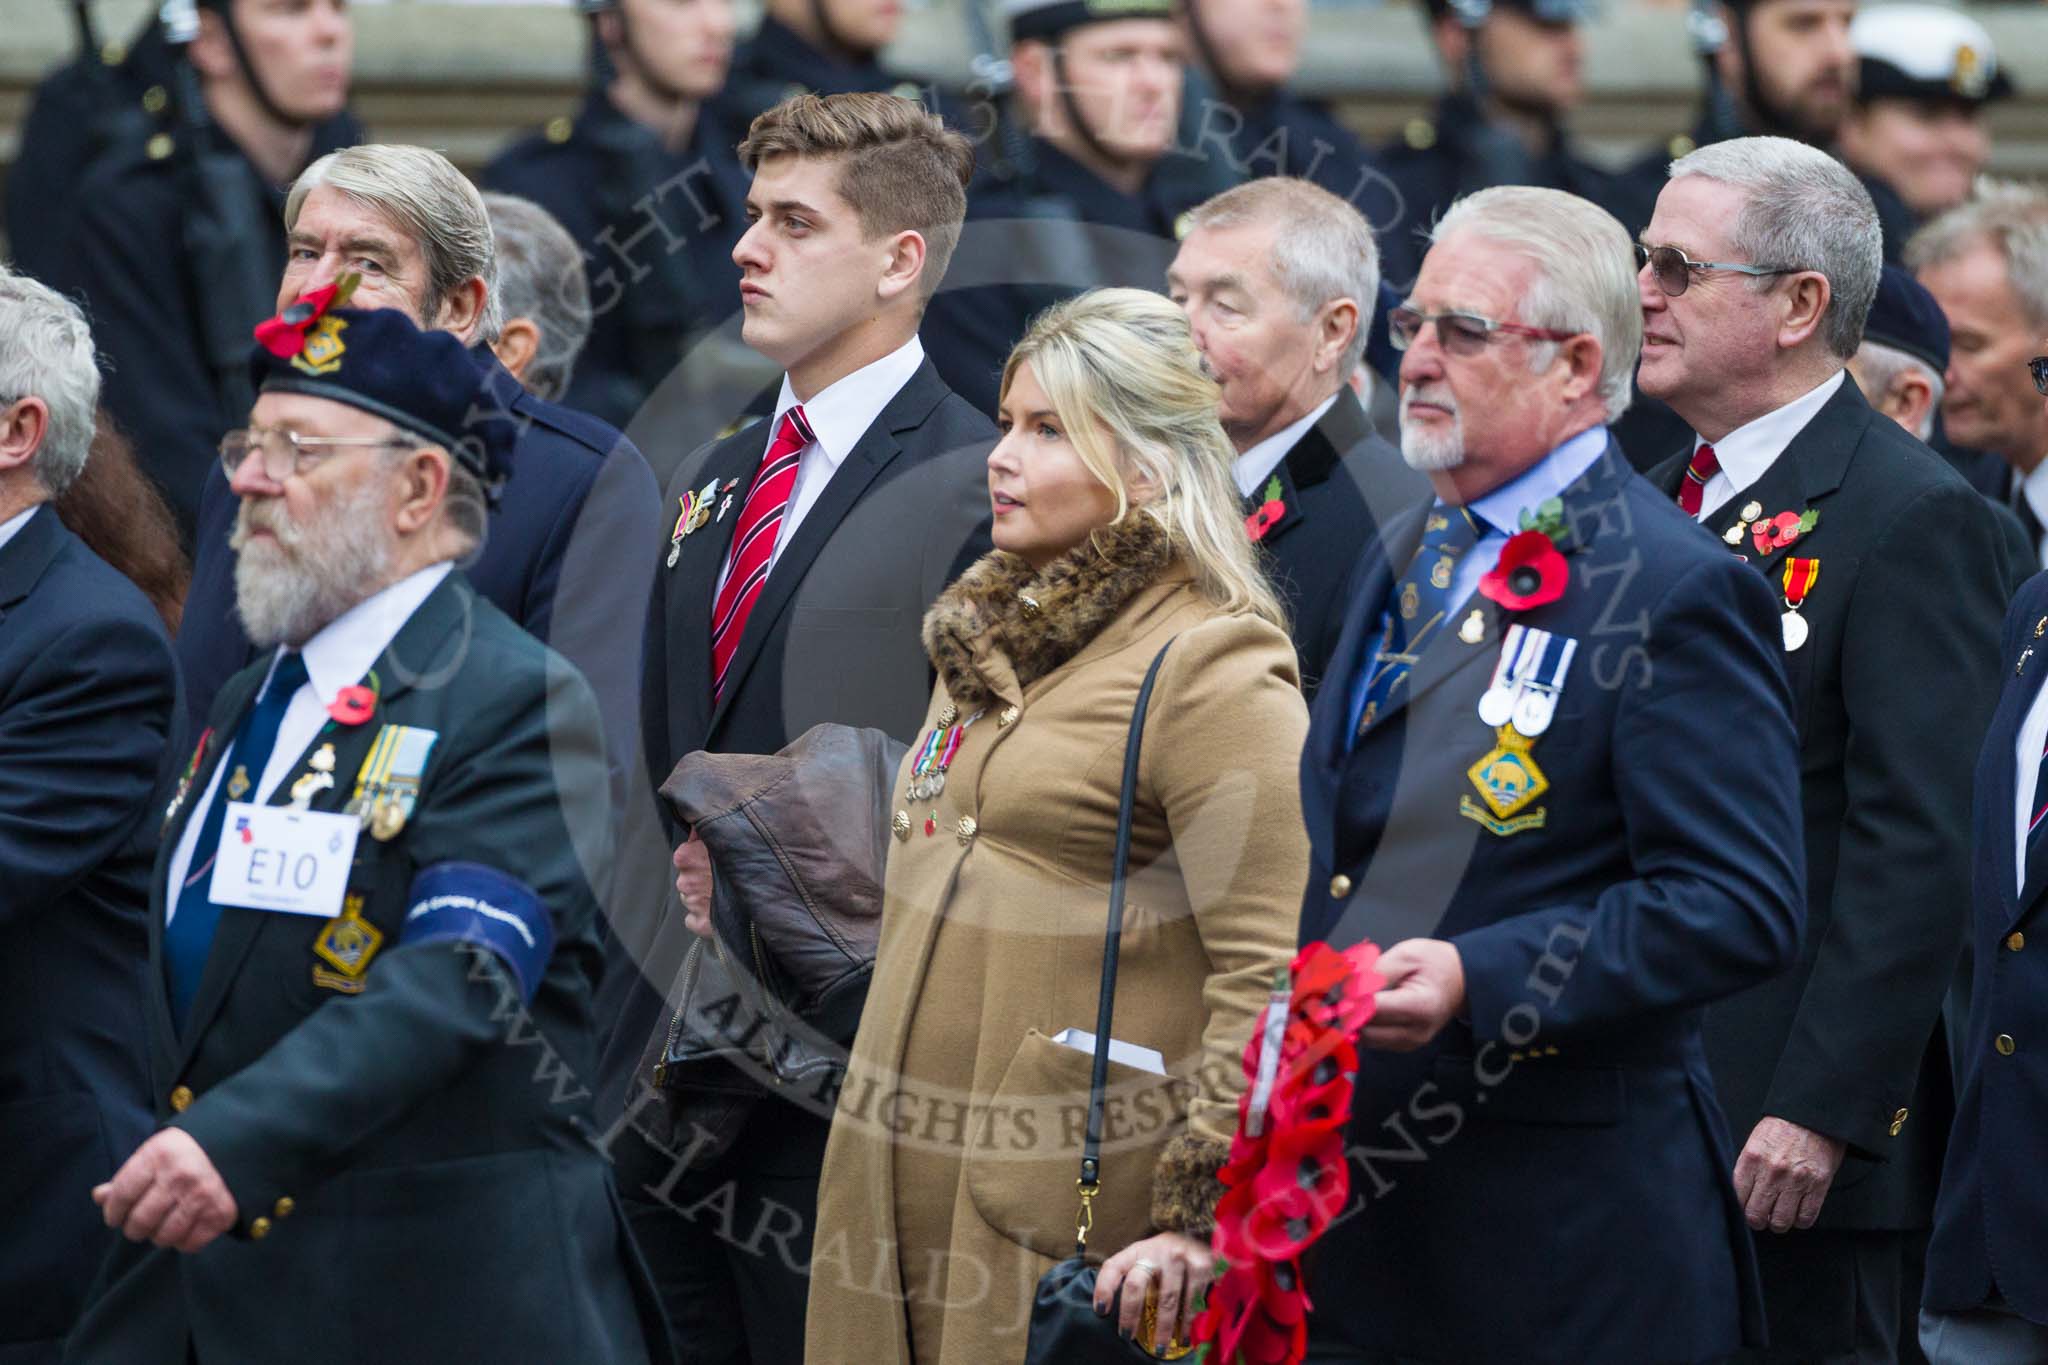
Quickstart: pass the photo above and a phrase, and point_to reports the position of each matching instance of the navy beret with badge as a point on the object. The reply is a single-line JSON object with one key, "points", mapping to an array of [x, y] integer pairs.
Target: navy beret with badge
{"points": [[426, 383], [1905, 317]]}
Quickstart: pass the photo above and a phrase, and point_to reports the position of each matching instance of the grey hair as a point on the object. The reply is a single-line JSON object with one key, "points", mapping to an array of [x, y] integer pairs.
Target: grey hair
{"points": [[1323, 248], [425, 197], [541, 278], [1882, 366], [1585, 273], [46, 352], [2013, 219], [1804, 210]]}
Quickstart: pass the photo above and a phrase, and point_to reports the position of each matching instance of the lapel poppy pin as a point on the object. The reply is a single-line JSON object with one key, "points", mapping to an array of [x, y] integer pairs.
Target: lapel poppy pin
{"points": [[1775, 533], [1268, 513], [354, 705], [1531, 572]]}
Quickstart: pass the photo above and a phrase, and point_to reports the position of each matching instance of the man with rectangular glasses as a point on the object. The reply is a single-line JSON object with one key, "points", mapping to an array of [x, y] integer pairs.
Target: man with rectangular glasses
{"points": [[1758, 271]]}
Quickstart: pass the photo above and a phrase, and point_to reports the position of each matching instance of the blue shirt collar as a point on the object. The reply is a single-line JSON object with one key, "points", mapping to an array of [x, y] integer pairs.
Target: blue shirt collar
{"points": [[1502, 508]]}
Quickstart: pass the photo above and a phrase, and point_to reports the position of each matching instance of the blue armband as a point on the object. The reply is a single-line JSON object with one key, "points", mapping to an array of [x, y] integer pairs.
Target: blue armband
{"points": [[472, 903]]}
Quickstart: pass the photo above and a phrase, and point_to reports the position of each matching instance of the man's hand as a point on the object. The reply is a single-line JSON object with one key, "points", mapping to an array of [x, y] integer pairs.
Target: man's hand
{"points": [[1425, 989], [1783, 1174], [693, 883], [168, 1193]]}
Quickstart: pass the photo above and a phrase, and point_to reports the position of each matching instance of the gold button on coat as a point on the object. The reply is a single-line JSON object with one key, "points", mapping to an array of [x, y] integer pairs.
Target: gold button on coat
{"points": [[259, 1229], [181, 1099], [1340, 886], [2005, 1045], [1008, 718], [966, 830], [284, 1207], [2016, 941], [1898, 1122]]}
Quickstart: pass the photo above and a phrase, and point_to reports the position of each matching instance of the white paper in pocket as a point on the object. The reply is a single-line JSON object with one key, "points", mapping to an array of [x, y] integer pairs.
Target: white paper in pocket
{"points": [[1129, 1054]]}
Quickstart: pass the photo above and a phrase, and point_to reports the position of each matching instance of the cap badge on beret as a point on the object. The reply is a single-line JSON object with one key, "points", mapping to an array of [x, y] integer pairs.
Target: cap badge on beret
{"points": [[304, 334]]}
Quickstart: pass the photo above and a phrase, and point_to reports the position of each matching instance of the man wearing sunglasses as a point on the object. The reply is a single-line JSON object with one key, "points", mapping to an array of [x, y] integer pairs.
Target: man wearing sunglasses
{"points": [[1517, 780], [1759, 269]]}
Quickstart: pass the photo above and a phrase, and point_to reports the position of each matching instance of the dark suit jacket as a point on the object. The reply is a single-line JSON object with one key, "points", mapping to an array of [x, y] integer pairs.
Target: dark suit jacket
{"points": [[834, 635], [1547, 1180], [418, 1152], [1341, 480], [89, 732], [1994, 1197], [1892, 694], [570, 531]]}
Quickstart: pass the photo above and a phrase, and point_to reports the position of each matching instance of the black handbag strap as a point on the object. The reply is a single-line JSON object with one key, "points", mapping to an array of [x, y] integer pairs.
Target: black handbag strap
{"points": [[1098, 1076]]}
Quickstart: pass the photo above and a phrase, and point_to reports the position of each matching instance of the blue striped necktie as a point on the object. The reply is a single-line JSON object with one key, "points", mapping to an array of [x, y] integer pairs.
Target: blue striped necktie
{"points": [[1414, 612], [189, 936]]}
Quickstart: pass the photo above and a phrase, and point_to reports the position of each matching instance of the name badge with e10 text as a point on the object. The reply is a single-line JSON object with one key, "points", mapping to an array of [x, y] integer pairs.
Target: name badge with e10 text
{"points": [[277, 858]]}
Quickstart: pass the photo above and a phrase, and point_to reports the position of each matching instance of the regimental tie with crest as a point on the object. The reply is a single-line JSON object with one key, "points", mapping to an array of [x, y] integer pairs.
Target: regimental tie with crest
{"points": [[388, 785], [1519, 704]]}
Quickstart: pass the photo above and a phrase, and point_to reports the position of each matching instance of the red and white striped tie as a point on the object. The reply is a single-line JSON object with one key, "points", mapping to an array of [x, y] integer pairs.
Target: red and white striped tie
{"points": [[753, 543]]}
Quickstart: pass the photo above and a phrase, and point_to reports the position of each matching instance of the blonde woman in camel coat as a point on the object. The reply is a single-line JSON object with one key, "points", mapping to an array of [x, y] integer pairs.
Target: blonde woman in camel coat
{"points": [[949, 1183]]}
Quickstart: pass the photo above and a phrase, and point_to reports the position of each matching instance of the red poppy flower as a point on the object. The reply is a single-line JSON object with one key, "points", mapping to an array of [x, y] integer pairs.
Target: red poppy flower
{"points": [[1256, 1314], [353, 705], [1265, 519], [1530, 573], [284, 336], [1775, 533]]}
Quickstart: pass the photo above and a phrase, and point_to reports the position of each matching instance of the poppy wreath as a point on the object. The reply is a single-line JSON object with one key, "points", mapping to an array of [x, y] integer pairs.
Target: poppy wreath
{"points": [[1286, 1178], [1531, 572]]}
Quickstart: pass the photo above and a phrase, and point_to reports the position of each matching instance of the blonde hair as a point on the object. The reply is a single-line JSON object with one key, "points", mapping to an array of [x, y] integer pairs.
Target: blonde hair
{"points": [[1121, 370], [901, 169]]}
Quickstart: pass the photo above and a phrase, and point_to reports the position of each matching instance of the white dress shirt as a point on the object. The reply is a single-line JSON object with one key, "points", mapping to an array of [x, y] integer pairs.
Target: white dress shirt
{"points": [[2033, 738], [1746, 452], [839, 415], [13, 524], [2034, 488], [1255, 465], [337, 657]]}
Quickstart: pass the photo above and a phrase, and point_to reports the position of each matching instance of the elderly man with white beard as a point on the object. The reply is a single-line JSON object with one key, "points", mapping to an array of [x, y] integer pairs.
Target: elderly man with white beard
{"points": [[373, 930], [1516, 778]]}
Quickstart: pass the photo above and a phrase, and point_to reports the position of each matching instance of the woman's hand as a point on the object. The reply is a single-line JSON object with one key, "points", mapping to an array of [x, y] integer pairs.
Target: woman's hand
{"points": [[693, 884], [1180, 1265]]}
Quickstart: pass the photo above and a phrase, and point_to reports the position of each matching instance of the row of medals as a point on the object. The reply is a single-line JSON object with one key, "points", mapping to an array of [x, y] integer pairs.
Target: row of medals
{"points": [[1792, 623], [380, 810]]}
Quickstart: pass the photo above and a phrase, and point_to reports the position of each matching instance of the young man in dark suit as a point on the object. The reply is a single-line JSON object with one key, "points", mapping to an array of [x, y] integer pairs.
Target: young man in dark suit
{"points": [[564, 553], [1986, 1300], [366, 1064], [1515, 781], [89, 731], [1760, 266], [1279, 278], [803, 556]]}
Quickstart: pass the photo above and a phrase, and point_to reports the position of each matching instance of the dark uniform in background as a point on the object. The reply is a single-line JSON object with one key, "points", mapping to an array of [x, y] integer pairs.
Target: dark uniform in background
{"points": [[1042, 227], [1457, 150], [657, 228], [177, 248], [392, 1095]]}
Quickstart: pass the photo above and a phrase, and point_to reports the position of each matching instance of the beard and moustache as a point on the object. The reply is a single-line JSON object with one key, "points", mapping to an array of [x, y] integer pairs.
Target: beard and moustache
{"points": [[1427, 449], [287, 589]]}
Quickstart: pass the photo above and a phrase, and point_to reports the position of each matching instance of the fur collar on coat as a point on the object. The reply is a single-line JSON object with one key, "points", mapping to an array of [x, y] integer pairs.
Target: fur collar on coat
{"points": [[1039, 619]]}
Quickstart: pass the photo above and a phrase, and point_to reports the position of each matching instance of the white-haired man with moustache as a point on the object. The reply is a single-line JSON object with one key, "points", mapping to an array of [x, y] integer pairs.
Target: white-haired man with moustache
{"points": [[1759, 268], [1278, 278], [1515, 779]]}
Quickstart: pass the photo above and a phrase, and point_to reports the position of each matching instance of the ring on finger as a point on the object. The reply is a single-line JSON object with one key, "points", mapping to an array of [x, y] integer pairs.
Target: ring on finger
{"points": [[1149, 1267]]}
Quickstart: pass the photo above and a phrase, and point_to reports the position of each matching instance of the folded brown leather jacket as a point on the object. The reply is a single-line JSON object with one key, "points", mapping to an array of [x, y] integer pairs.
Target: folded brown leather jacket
{"points": [[798, 841]]}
